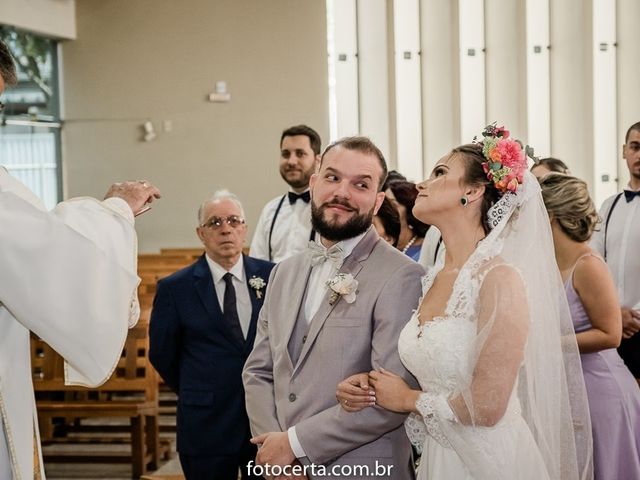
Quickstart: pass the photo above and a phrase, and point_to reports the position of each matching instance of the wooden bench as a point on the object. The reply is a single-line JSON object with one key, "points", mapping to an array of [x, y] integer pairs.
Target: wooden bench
{"points": [[131, 392]]}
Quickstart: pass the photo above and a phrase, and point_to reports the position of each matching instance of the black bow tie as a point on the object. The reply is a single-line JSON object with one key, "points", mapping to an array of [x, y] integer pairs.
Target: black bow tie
{"points": [[630, 194], [293, 197]]}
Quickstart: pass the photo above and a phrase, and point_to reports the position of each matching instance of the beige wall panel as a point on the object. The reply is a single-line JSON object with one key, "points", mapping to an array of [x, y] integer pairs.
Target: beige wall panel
{"points": [[158, 60], [55, 18]]}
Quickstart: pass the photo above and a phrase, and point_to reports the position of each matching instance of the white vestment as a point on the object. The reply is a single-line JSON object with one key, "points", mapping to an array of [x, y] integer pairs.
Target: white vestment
{"points": [[69, 276]]}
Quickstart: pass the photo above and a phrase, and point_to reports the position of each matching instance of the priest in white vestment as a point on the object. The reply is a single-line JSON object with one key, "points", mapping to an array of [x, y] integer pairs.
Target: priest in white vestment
{"points": [[69, 276]]}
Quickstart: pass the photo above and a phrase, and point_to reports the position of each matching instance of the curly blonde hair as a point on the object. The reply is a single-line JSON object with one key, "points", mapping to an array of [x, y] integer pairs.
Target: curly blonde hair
{"points": [[567, 199]]}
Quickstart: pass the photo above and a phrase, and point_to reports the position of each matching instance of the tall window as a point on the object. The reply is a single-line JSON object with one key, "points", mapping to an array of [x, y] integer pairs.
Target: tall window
{"points": [[30, 124]]}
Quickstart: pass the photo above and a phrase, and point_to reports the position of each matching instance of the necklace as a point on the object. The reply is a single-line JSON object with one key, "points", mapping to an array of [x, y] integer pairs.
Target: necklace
{"points": [[409, 243]]}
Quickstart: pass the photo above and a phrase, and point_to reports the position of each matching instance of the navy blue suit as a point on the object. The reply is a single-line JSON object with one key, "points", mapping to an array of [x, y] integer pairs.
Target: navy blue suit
{"points": [[197, 355]]}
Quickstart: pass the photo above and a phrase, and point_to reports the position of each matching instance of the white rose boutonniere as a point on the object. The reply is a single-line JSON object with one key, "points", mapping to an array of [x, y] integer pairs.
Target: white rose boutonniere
{"points": [[258, 284], [342, 285]]}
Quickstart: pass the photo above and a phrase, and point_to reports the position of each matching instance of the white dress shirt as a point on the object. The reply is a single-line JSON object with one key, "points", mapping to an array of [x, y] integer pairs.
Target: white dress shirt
{"points": [[243, 301], [316, 291], [623, 247], [291, 232]]}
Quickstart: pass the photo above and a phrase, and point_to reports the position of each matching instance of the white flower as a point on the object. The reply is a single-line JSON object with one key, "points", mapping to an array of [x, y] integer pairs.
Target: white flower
{"points": [[257, 283], [342, 285]]}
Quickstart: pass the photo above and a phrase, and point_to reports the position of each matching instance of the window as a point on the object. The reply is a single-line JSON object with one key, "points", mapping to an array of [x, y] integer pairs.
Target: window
{"points": [[30, 123]]}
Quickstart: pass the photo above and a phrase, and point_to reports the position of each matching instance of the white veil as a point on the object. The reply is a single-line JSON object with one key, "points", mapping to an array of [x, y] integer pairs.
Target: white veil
{"points": [[511, 289]]}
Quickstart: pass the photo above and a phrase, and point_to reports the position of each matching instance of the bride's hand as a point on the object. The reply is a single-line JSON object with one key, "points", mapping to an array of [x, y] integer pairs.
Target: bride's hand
{"points": [[354, 393], [392, 392]]}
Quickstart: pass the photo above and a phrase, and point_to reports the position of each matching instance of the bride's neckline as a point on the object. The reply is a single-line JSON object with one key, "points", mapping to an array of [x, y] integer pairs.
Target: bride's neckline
{"points": [[480, 252]]}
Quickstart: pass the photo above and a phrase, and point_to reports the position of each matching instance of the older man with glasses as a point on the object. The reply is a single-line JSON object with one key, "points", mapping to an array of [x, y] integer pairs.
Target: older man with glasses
{"points": [[49, 285], [203, 325]]}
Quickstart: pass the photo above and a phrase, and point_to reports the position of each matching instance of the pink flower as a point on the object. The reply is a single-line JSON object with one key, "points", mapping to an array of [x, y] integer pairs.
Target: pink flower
{"points": [[511, 154]]}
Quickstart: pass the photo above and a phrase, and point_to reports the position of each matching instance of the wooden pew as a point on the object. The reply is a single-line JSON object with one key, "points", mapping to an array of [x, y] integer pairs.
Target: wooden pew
{"points": [[131, 392]]}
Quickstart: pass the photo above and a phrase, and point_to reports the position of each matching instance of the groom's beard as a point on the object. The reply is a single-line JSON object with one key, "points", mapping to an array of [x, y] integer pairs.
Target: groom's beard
{"points": [[331, 230]]}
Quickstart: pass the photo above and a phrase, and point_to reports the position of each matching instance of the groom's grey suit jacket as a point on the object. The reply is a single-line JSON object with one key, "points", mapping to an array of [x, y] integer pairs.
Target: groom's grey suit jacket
{"points": [[342, 339]]}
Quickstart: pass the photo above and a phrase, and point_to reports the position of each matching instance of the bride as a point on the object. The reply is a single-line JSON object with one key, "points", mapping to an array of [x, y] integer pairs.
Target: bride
{"points": [[491, 343]]}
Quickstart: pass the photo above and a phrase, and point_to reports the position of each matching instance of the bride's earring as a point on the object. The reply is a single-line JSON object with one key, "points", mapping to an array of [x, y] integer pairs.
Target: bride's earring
{"points": [[464, 201]]}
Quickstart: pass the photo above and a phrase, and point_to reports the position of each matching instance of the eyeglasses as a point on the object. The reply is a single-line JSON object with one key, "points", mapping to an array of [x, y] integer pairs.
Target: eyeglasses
{"points": [[215, 223]]}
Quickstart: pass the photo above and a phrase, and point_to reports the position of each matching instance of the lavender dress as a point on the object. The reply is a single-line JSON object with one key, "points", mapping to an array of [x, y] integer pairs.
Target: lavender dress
{"points": [[614, 401]]}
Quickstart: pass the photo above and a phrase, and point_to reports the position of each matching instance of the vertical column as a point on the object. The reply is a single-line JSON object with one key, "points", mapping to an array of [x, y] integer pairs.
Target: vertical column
{"points": [[628, 68], [538, 81], [406, 20], [604, 99], [342, 46], [472, 68], [505, 40], [440, 79], [373, 72], [572, 85]]}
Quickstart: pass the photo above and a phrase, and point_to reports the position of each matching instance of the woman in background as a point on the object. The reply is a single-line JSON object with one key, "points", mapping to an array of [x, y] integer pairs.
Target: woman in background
{"points": [[614, 397], [387, 222], [549, 165], [402, 195]]}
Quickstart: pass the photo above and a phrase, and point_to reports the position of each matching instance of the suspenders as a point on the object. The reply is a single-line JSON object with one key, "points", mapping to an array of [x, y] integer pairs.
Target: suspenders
{"points": [[606, 224], [273, 224]]}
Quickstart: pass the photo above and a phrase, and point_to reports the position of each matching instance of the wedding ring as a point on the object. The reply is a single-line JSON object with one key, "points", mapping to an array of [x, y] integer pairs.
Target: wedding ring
{"points": [[346, 403]]}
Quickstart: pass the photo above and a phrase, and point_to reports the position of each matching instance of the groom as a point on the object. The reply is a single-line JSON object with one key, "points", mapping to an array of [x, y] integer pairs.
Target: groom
{"points": [[310, 337]]}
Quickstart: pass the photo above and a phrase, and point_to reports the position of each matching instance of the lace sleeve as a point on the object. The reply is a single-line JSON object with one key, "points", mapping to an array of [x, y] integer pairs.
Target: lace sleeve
{"points": [[433, 410], [416, 431]]}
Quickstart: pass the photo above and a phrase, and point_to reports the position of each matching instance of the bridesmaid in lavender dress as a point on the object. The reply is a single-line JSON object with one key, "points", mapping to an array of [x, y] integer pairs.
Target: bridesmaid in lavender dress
{"points": [[614, 396]]}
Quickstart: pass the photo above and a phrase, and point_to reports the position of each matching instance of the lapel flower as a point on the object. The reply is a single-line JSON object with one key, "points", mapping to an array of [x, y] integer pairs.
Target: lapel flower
{"points": [[342, 285], [257, 283]]}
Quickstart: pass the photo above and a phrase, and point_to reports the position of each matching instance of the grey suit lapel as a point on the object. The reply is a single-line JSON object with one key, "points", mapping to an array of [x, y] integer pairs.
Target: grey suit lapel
{"points": [[352, 265], [296, 290]]}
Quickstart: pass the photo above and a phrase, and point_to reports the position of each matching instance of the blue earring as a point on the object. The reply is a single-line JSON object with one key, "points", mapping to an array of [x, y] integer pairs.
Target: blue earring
{"points": [[464, 201]]}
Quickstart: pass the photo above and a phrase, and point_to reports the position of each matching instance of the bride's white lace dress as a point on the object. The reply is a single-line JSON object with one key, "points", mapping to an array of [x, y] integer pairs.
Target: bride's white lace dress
{"points": [[441, 356]]}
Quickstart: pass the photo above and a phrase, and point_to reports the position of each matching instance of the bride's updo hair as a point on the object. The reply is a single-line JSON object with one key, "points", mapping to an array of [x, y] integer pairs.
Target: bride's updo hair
{"points": [[568, 200], [475, 175]]}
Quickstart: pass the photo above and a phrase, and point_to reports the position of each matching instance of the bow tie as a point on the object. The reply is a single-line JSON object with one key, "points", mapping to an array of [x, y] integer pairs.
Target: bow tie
{"points": [[304, 196], [630, 194], [318, 254]]}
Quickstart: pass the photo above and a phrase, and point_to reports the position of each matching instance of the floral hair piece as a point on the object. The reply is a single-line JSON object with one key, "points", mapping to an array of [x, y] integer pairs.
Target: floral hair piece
{"points": [[506, 158]]}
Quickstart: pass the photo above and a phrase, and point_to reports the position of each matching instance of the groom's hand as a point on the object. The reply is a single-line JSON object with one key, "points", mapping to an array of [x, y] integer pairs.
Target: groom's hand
{"points": [[275, 449]]}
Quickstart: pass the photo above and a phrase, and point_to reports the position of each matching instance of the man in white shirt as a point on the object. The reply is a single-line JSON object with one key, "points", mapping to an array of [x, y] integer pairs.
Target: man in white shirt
{"points": [[618, 241], [284, 227], [312, 336], [69, 276], [203, 325]]}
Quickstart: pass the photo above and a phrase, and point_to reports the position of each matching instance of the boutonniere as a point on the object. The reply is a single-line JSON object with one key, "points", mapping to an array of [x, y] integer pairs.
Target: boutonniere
{"points": [[257, 283], [342, 285]]}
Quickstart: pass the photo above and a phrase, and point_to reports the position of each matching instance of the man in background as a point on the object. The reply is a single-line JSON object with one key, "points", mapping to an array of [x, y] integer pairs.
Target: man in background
{"points": [[203, 325], [284, 227], [617, 241]]}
